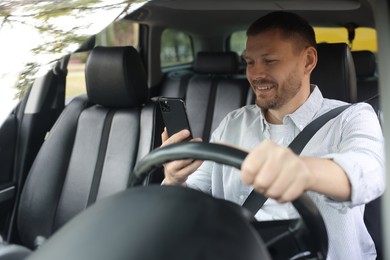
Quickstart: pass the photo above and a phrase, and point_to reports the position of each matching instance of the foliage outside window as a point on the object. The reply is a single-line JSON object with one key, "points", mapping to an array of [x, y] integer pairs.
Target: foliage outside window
{"points": [[176, 48], [53, 29], [120, 33], [75, 80], [237, 42]]}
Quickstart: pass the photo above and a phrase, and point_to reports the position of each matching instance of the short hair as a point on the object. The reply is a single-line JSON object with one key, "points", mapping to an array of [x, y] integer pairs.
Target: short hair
{"points": [[291, 25]]}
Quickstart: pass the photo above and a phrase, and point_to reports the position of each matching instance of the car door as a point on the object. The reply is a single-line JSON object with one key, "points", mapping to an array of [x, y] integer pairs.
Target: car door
{"points": [[7, 151], [22, 134]]}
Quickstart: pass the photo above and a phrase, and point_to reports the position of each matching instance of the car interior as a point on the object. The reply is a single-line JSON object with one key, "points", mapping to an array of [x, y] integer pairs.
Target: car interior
{"points": [[66, 154]]}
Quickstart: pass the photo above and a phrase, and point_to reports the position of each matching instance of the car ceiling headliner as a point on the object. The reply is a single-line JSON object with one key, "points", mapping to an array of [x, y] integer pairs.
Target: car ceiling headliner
{"points": [[208, 17]]}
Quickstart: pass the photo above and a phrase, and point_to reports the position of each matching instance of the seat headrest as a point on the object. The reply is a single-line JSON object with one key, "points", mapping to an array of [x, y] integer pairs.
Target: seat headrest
{"points": [[216, 63], [116, 77], [364, 63], [335, 72]]}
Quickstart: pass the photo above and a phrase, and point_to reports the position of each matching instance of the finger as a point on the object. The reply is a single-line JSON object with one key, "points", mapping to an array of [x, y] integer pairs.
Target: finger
{"points": [[180, 164], [188, 169], [278, 186], [180, 176], [291, 181], [177, 137], [177, 165], [251, 166], [255, 160], [199, 140], [193, 166], [266, 176], [291, 193], [164, 135]]}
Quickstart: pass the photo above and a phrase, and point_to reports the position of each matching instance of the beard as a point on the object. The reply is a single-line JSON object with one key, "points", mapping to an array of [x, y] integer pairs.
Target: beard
{"points": [[283, 93]]}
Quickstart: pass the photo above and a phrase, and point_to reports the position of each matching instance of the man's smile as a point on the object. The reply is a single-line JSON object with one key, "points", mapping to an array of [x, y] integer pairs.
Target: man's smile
{"points": [[265, 87]]}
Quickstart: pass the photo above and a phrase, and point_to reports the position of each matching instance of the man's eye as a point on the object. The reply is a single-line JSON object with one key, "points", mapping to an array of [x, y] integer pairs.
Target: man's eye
{"points": [[249, 62], [270, 61]]}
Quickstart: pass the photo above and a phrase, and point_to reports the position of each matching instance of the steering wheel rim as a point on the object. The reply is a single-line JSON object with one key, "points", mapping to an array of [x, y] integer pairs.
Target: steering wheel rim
{"points": [[233, 157]]}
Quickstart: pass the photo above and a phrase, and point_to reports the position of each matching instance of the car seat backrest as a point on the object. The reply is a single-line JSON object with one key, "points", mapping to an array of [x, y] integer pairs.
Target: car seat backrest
{"points": [[335, 72], [116, 78], [216, 63], [365, 64], [213, 89], [93, 146], [367, 80], [368, 91]]}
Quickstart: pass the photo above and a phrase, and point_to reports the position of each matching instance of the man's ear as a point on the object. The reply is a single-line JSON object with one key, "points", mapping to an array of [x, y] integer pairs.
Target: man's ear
{"points": [[311, 59]]}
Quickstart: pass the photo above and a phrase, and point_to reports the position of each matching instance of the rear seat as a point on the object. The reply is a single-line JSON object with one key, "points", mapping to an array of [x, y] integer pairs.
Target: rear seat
{"points": [[335, 72], [211, 91], [367, 80]]}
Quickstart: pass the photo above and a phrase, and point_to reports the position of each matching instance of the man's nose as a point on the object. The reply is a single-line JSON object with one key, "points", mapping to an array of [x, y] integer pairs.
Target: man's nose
{"points": [[257, 71]]}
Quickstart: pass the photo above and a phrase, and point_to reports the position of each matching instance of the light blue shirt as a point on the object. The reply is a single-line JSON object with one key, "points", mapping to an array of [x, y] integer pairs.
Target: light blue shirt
{"points": [[353, 140]]}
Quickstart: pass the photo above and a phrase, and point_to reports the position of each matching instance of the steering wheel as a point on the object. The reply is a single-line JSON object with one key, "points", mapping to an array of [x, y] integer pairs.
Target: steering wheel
{"points": [[170, 222], [310, 215]]}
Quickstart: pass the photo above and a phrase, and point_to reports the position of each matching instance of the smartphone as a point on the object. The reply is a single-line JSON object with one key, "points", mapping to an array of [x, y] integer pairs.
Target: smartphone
{"points": [[174, 114]]}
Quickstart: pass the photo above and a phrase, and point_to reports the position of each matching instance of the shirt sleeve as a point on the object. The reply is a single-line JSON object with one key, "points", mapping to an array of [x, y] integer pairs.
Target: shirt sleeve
{"points": [[361, 153]]}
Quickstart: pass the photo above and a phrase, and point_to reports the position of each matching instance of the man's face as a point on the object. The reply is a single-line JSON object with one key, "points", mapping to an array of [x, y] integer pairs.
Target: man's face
{"points": [[275, 70]]}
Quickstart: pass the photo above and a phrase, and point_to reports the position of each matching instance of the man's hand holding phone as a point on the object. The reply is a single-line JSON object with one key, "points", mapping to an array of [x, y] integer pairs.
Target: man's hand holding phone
{"points": [[177, 172]]}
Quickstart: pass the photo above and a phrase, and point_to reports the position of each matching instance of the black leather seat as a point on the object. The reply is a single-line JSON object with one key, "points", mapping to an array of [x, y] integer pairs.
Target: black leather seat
{"points": [[367, 80], [92, 147], [214, 89], [335, 72]]}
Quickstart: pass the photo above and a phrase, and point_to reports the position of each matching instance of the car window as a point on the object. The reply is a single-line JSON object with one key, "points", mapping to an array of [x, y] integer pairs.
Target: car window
{"points": [[365, 38], [237, 42], [120, 33], [75, 80], [35, 35], [176, 48]]}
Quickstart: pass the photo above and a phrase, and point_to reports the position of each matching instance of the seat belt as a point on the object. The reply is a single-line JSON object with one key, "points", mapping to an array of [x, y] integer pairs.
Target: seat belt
{"points": [[256, 200]]}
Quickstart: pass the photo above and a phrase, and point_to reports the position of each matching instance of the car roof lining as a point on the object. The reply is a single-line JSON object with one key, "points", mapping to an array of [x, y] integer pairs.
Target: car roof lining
{"points": [[332, 5], [221, 17]]}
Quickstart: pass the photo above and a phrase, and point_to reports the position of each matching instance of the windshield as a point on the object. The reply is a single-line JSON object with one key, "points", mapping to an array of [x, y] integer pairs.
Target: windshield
{"points": [[34, 34]]}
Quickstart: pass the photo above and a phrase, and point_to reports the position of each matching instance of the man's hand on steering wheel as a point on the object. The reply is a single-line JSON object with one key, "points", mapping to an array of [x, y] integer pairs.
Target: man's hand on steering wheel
{"points": [[276, 171]]}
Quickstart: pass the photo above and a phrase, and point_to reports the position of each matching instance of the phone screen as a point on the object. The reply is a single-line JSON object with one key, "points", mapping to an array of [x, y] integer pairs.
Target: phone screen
{"points": [[174, 115]]}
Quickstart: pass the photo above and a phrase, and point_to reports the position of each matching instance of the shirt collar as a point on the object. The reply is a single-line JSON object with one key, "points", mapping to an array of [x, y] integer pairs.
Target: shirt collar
{"points": [[303, 115], [264, 124]]}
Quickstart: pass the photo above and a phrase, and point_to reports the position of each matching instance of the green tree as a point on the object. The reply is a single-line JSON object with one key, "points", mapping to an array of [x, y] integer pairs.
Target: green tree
{"points": [[44, 17], [175, 47]]}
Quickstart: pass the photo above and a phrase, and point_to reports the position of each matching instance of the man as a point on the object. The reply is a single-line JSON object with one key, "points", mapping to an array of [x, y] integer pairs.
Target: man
{"points": [[341, 168]]}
